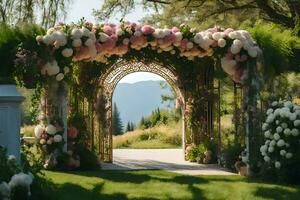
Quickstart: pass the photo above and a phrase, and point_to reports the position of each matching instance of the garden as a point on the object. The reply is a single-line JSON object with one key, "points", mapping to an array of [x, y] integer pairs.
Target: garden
{"points": [[236, 93]]}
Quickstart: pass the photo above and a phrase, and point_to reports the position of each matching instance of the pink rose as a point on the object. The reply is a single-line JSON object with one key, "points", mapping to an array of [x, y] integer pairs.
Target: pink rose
{"points": [[72, 132], [147, 30], [138, 41], [114, 37], [213, 30], [169, 39], [228, 30], [184, 43], [109, 44], [107, 29], [175, 29]]}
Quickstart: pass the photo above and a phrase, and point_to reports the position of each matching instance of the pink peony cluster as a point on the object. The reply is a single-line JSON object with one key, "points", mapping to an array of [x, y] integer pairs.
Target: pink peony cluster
{"points": [[98, 42]]}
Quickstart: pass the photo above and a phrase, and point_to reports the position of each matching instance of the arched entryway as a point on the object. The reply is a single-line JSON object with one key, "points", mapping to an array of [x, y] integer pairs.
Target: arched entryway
{"points": [[108, 82]]}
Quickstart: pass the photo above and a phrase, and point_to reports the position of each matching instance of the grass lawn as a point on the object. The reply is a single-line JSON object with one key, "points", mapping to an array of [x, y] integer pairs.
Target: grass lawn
{"points": [[158, 184]]}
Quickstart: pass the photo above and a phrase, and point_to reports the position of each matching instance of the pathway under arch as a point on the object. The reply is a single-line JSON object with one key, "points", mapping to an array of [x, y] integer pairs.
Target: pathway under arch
{"points": [[108, 82]]}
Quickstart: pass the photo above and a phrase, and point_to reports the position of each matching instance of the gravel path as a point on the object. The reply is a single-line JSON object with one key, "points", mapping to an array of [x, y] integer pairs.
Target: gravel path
{"points": [[166, 159]]}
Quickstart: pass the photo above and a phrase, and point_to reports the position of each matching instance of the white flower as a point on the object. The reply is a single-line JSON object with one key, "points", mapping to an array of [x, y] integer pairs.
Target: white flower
{"points": [[276, 136], [48, 39], [103, 37], [38, 131], [89, 42], [77, 43], [67, 52], [12, 158], [288, 104], [238, 43], [51, 68], [233, 35], [267, 158], [282, 152], [267, 142], [252, 52], [85, 31], [272, 143], [189, 45], [293, 116], [4, 190], [21, 179], [288, 155], [269, 111], [42, 141], [277, 165], [235, 49], [277, 122], [217, 36], [295, 132], [50, 129], [60, 76], [198, 38], [277, 112], [274, 103], [57, 138], [178, 36], [66, 70], [271, 149], [280, 143], [297, 122], [221, 43], [263, 148], [267, 134], [287, 131], [76, 33], [265, 126], [270, 118], [279, 129], [287, 144], [284, 125]]}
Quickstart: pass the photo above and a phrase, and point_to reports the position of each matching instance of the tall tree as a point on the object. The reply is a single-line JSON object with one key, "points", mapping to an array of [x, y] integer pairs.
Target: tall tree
{"points": [[117, 125], [169, 98], [128, 127]]}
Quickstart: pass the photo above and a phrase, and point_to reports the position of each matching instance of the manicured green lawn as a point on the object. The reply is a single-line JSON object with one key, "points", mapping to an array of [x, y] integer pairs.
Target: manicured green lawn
{"points": [[157, 184]]}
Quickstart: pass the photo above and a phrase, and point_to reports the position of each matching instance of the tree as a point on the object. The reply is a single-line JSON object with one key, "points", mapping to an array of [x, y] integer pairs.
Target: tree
{"points": [[18, 11], [132, 126], [116, 121], [169, 98], [283, 12]]}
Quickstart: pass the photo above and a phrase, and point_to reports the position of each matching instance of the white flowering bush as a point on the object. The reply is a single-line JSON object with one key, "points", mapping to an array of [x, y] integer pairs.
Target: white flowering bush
{"points": [[281, 133]]}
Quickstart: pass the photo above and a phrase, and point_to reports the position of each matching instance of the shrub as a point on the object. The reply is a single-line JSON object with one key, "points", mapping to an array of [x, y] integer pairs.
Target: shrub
{"points": [[230, 155], [282, 148], [196, 153]]}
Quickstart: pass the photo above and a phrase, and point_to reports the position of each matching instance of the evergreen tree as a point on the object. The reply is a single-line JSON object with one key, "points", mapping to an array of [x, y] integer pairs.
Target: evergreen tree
{"points": [[132, 126], [128, 127], [116, 121]]}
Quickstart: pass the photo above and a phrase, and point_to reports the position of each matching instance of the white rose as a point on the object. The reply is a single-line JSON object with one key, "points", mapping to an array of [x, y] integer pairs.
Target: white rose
{"points": [[217, 36], [238, 43], [288, 155], [280, 143], [60, 76], [38, 131], [89, 42], [277, 122], [67, 52], [276, 136], [267, 142], [57, 138], [48, 39], [282, 152], [295, 132], [267, 158], [77, 43], [50, 129], [234, 49], [287, 131], [198, 38], [277, 165], [76, 33], [252, 52], [221, 43], [52, 68], [103, 37], [233, 35], [271, 149], [85, 31], [297, 122]]}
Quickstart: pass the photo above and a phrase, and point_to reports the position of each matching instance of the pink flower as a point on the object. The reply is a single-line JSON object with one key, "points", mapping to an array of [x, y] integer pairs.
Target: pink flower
{"points": [[72, 132], [237, 77], [82, 53], [114, 37], [107, 29], [184, 42], [213, 30], [147, 30], [175, 29], [109, 44], [138, 41], [215, 44], [229, 56], [228, 30], [126, 41], [169, 39]]}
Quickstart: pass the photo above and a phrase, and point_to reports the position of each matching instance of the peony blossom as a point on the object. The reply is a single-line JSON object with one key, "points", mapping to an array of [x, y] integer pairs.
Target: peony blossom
{"points": [[38, 131]]}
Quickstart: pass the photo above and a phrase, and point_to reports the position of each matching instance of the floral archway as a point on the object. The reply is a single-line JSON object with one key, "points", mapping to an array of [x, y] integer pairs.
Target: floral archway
{"points": [[75, 56]]}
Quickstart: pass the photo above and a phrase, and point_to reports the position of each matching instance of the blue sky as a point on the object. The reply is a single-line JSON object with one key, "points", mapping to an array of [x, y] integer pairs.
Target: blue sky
{"points": [[79, 9]]}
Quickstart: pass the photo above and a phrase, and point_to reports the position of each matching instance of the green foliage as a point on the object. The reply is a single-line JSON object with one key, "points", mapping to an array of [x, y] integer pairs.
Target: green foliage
{"points": [[116, 121], [230, 155], [277, 45], [196, 153]]}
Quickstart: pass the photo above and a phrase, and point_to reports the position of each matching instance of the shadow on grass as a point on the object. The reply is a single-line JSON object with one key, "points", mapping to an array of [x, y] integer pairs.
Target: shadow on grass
{"points": [[277, 193]]}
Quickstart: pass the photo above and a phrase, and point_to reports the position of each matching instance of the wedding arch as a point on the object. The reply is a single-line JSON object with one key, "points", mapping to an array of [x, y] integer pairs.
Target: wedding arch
{"points": [[77, 67]]}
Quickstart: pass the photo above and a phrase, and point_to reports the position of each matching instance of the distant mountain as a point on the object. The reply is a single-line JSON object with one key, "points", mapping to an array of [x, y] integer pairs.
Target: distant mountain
{"points": [[139, 99]]}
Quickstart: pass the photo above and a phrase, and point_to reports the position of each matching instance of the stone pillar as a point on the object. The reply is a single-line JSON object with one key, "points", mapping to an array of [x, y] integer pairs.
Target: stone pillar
{"points": [[10, 119]]}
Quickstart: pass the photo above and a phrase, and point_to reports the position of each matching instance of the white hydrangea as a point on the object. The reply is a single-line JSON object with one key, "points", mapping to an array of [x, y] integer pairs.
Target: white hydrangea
{"points": [[57, 138], [60, 77], [281, 143], [287, 131], [4, 190], [279, 129], [288, 104], [21, 179], [269, 111], [288, 155], [276, 136], [50, 129], [284, 125], [297, 122], [277, 112], [273, 143], [270, 118], [295, 132], [293, 116], [271, 149], [267, 158], [277, 165], [274, 103], [265, 126], [282, 152], [38, 131]]}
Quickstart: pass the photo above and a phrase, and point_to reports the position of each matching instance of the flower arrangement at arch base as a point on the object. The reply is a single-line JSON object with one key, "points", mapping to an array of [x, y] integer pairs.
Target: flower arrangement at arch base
{"points": [[50, 143], [281, 149]]}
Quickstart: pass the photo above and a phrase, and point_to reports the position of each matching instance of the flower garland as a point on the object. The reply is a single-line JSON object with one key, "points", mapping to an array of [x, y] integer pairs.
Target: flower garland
{"points": [[88, 42], [281, 131]]}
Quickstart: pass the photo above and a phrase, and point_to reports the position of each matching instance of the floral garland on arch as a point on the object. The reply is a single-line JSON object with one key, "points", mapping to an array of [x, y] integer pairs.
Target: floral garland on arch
{"points": [[88, 42]]}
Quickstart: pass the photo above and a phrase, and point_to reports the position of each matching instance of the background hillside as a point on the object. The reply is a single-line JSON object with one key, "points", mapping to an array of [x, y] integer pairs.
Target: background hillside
{"points": [[135, 100]]}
